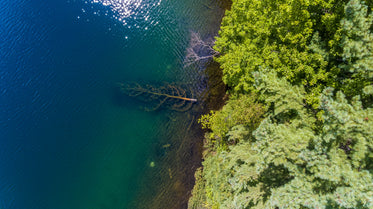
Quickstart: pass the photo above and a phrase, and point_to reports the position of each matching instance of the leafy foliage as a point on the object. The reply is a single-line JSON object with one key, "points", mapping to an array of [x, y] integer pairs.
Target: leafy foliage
{"points": [[289, 165], [310, 65], [276, 34], [245, 111], [357, 41]]}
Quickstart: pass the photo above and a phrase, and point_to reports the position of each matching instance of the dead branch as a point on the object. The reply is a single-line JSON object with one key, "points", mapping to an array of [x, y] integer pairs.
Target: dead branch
{"points": [[199, 50], [170, 96]]}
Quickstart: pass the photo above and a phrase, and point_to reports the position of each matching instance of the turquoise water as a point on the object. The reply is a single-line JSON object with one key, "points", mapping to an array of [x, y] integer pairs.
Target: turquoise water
{"points": [[68, 137]]}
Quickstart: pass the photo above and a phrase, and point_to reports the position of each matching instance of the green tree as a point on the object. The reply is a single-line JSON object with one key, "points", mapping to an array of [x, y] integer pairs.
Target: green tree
{"points": [[244, 113], [288, 164], [310, 65], [276, 34], [357, 42]]}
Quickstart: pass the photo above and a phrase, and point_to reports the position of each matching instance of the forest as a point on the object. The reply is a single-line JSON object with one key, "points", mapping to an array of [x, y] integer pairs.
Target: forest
{"points": [[296, 131]]}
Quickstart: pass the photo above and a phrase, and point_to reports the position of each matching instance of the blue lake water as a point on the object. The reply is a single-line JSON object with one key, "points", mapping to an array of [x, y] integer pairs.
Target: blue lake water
{"points": [[68, 137]]}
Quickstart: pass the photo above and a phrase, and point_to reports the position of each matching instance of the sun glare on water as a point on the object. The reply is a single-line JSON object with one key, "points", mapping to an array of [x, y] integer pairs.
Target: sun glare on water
{"points": [[129, 9]]}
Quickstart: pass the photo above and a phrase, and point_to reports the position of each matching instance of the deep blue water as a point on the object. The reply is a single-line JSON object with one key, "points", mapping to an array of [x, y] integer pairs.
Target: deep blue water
{"points": [[68, 139]]}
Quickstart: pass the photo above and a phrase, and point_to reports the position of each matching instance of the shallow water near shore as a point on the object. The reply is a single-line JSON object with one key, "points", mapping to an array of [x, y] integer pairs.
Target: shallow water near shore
{"points": [[68, 137]]}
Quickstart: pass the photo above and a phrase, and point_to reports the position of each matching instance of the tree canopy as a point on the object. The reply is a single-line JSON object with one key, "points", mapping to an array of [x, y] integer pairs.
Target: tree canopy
{"points": [[297, 131]]}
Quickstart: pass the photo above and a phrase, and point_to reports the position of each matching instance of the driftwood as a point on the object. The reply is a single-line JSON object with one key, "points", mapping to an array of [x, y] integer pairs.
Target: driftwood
{"points": [[169, 96], [199, 50]]}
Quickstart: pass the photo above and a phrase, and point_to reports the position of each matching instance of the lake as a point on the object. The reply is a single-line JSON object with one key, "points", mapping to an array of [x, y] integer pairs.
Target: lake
{"points": [[69, 137]]}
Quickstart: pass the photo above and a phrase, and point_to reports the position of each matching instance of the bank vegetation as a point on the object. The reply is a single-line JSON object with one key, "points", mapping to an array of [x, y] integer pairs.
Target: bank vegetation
{"points": [[297, 129]]}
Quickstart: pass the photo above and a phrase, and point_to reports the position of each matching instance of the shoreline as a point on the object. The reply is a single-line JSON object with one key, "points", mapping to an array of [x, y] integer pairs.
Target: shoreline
{"points": [[181, 155], [185, 144]]}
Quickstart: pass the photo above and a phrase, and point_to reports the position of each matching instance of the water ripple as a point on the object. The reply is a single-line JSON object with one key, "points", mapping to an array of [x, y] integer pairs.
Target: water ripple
{"points": [[124, 9]]}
